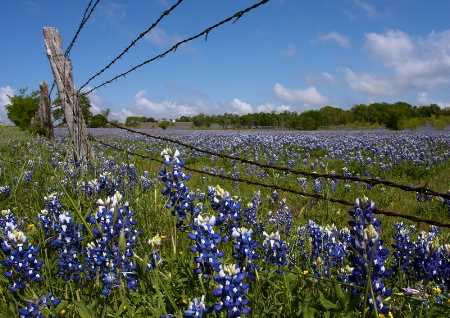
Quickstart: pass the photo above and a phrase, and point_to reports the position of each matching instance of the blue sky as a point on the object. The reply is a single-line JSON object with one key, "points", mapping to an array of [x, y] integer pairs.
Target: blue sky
{"points": [[285, 55]]}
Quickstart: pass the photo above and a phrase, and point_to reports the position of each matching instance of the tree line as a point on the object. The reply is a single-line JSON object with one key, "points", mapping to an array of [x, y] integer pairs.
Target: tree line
{"points": [[394, 116], [23, 107]]}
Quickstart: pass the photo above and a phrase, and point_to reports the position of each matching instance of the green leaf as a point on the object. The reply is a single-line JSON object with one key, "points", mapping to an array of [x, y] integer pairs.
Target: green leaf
{"points": [[328, 304], [355, 300], [82, 311], [340, 295]]}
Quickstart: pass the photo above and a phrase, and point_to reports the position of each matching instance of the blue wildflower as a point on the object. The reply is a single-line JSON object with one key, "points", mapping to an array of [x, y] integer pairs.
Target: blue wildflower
{"points": [[197, 308], [232, 291], [109, 256], [20, 262], [206, 241], [276, 250], [368, 253]]}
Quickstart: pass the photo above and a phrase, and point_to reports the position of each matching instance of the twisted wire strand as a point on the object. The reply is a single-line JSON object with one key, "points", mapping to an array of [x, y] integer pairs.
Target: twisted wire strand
{"points": [[370, 181], [205, 32], [164, 14], [277, 187], [85, 18]]}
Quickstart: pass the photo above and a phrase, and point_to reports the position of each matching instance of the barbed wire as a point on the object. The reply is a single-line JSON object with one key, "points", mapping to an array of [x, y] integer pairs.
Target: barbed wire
{"points": [[85, 18], [280, 188], [372, 182], [205, 32], [83, 22], [164, 14]]}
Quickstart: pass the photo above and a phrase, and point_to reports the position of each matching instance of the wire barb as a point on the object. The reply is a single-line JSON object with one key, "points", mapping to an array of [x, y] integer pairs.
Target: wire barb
{"points": [[175, 46], [132, 44], [274, 186]]}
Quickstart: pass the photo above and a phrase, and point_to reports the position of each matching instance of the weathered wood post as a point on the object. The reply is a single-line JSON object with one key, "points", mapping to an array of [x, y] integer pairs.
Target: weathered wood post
{"points": [[44, 111], [62, 70]]}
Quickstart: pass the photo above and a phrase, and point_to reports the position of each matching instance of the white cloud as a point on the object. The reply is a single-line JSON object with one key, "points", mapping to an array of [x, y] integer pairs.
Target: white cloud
{"points": [[114, 12], [391, 48], [4, 100], [423, 99], [320, 78], [289, 51], [366, 7], [424, 62], [236, 106], [159, 37], [268, 107], [142, 106], [372, 84], [240, 107], [97, 103], [309, 95], [334, 36]]}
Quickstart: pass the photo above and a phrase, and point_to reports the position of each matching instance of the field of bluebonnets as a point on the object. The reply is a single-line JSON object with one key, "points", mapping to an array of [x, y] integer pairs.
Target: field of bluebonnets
{"points": [[142, 236]]}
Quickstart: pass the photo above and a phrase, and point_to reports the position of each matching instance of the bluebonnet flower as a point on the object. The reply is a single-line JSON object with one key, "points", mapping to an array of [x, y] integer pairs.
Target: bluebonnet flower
{"points": [[49, 216], [5, 190], [282, 218], [178, 196], [251, 214], [274, 195], [28, 177], [276, 251], [324, 250], [422, 197], [108, 258], [31, 164], [206, 241], [67, 241], [403, 248], [197, 308], [424, 259], [33, 308], [232, 291], [20, 261], [368, 255], [146, 182], [303, 182], [245, 253], [154, 257], [229, 208]]}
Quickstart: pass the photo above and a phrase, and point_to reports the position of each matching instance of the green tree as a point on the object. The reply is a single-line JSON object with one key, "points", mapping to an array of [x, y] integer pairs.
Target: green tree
{"points": [[164, 124], [83, 102], [22, 108], [309, 120], [184, 119], [98, 121]]}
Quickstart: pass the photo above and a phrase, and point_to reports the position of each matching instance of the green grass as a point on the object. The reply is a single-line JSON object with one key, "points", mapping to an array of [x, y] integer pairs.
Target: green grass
{"points": [[170, 288]]}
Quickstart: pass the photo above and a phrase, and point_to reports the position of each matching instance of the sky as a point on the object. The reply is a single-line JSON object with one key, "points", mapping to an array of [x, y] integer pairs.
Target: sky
{"points": [[293, 55]]}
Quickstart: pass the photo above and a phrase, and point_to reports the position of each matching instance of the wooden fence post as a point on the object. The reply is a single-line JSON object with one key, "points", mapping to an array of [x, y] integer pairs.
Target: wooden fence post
{"points": [[62, 70], [44, 111]]}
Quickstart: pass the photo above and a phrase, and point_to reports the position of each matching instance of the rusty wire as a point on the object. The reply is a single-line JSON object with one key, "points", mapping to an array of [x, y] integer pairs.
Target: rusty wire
{"points": [[423, 189], [205, 33], [277, 187], [86, 17], [164, 14]]}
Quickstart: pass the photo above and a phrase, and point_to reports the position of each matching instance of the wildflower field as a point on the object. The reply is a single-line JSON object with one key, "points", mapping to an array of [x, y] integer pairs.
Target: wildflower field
{"points": [[153, 228]]}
